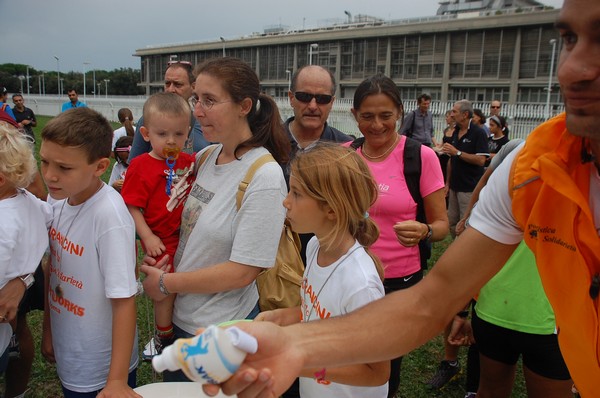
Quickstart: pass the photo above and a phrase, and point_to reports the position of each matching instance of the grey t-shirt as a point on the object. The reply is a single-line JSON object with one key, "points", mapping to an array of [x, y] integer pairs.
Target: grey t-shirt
{"points": [[213, 231]]}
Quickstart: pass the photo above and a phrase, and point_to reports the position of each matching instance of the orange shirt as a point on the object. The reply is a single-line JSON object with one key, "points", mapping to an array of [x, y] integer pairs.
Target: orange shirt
{"points": [[550, 192]]}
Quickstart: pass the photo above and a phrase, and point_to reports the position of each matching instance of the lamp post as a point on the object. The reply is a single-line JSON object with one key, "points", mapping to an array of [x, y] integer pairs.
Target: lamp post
{"points": [[94, 78], [57, 74], [61, 84], [106, 88], [84, 64], [289, 76], [28, 80], [99, 85], [553, 43], [43, 84], [21, 78], [310, 52], [349, 16], [223, 40]]}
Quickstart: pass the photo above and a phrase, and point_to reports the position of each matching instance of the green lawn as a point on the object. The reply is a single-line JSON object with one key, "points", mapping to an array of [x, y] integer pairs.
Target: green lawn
{"points": [[417, 367]]}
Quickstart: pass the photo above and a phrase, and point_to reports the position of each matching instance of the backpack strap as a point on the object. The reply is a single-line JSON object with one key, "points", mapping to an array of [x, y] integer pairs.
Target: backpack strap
{"points": [[357, 143], [200, 161], [412, 174], [266, 158]]}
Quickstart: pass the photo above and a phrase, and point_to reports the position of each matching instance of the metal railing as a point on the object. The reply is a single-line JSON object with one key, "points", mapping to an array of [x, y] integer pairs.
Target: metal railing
{"points": [[522, 118]]}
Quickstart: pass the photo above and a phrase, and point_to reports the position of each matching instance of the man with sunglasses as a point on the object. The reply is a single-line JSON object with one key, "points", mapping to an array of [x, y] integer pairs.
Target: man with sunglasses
{"points": [[495, 107], [311, 94], [179, 80]]}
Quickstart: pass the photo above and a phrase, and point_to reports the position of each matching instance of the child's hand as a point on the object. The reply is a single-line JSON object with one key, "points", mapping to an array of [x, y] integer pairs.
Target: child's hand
{"points": [[118, 185], [280, 316], [117, 388], [154, 246]]}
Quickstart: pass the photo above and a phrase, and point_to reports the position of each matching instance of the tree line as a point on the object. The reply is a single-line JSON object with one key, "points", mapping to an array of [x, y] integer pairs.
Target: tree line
{"points": [[122, 81]]}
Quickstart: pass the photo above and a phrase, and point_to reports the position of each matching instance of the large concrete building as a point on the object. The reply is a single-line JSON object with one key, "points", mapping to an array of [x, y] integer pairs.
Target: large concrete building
{"points": [[480, 50]]}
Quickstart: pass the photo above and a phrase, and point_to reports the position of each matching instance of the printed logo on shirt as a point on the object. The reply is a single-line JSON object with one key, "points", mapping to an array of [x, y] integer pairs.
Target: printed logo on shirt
{"points": [[315, 307], [383, 187], [201, 194], [67, 245], [548, 235], [57, 303]]}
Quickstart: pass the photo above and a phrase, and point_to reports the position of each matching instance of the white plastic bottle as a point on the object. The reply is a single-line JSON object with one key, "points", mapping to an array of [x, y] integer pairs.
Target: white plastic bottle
{"points": [[209, 358]]}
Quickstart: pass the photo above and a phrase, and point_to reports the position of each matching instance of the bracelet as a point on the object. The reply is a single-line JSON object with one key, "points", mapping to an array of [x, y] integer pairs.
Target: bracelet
{"points": [[429, 232], [320, 377], [463, 314], [161, 284]]}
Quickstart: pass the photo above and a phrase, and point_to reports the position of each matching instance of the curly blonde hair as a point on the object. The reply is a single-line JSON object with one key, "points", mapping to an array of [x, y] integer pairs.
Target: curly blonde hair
{"points": [[17, 163]]}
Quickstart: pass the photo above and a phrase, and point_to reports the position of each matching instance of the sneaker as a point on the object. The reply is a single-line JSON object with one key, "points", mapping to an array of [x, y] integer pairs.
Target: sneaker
{"points": [[445, 374], [14, 350], [155, 347], [150, 350], [471, 395]]}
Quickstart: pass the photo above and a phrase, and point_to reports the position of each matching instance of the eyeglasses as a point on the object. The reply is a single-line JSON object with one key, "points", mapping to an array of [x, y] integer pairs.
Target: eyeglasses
{"points": [[322, 99], [495, 107], [205, 103], [186, 64]]}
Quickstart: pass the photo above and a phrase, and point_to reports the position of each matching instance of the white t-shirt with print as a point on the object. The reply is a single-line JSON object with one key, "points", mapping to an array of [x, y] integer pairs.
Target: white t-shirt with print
{"points": [[339, 288]]}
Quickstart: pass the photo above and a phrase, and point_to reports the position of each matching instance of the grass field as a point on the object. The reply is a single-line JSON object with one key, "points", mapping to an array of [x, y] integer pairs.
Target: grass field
{"points": [[417, 367]]}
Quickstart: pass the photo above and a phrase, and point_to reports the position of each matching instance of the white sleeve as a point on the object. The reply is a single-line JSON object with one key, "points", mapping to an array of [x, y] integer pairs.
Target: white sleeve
{"points": [[492, 214]]}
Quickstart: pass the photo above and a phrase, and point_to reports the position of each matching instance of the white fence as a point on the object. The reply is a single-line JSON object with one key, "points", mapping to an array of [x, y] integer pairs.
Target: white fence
{"points": [[522, 118]]}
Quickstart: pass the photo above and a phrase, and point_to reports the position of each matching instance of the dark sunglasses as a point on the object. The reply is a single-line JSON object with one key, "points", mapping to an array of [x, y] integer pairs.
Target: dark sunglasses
{"points": [[322, 99], [495, 107], [186, 64]]}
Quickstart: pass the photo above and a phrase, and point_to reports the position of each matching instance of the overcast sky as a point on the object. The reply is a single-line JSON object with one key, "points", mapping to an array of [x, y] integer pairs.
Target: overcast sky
{"points": [[106, 33]]}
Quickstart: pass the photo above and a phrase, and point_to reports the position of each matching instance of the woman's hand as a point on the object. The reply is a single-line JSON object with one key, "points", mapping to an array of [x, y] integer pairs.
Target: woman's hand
{"points": [[410, 233], [10, 297], [153, 270]]}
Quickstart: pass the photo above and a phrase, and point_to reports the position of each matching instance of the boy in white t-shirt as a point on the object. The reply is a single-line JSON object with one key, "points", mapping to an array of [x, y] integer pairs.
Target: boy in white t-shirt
{"points": [[90, 314]]}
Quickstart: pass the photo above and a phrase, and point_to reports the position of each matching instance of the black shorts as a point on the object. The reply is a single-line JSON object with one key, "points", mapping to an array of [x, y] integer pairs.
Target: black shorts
{"points": [[540, 352], [394, 284], [34, 296]]}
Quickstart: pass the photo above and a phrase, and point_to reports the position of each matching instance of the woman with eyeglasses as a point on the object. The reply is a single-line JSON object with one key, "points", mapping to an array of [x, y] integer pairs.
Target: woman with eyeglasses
{"points": [[222, 249], [378, 109]]}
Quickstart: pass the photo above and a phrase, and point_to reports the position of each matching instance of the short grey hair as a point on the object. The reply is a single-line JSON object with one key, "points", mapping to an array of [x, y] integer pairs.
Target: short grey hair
{"points": [[465, 106]]}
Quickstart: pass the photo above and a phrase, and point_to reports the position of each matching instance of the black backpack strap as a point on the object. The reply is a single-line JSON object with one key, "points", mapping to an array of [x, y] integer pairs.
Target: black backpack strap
{"points": [[412, 175], [357, 143]]}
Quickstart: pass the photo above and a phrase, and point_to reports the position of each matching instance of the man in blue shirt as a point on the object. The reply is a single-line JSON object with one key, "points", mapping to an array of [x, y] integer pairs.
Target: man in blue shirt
{"points": [[3, 105], [418, 124], [73, 101]]}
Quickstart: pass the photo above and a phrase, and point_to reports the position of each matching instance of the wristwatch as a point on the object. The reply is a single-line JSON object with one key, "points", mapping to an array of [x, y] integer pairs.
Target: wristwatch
{"points": [[458, 153], [27, 280], [429, 232]]}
